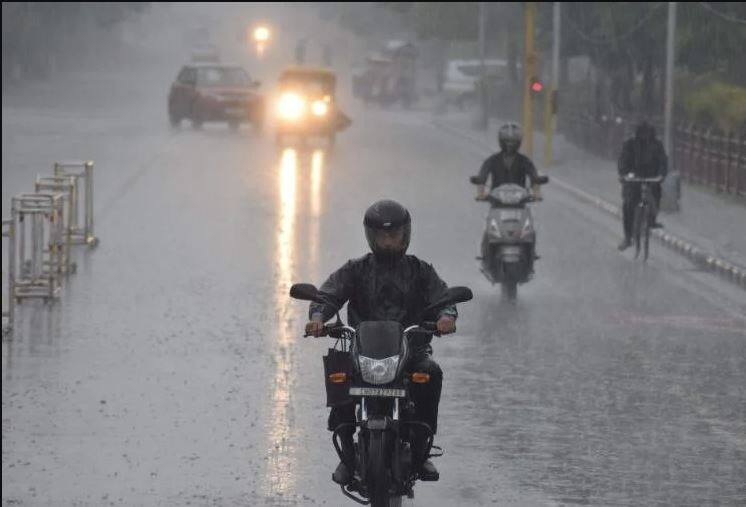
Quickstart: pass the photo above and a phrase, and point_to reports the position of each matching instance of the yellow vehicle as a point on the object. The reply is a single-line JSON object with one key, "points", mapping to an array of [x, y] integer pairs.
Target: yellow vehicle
{"points": [[306, 105]]}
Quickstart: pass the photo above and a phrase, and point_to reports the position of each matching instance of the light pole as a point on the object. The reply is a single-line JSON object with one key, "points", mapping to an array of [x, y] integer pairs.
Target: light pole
{"points": [[552, 96], [482, 121], [671, 186]]}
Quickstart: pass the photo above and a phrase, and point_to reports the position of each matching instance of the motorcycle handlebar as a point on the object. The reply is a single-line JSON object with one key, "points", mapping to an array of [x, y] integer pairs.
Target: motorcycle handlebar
{"points": [[332, 331], [338, 331]]}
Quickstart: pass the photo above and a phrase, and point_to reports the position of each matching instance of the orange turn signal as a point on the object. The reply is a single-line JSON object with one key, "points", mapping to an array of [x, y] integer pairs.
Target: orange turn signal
{"points": [[338, 378], [420, 378]]}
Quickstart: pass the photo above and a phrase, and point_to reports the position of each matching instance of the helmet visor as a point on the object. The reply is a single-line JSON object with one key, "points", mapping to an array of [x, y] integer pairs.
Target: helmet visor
{"points": [[389, 241]]}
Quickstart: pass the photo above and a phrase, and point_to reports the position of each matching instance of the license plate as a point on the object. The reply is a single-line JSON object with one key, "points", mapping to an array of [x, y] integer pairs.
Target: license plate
{"points": [[235, 111], [378, 391]]}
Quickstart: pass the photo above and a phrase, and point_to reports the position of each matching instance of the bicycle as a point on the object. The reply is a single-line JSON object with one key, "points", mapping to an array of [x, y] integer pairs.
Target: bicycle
{"points": [[645, 210]]}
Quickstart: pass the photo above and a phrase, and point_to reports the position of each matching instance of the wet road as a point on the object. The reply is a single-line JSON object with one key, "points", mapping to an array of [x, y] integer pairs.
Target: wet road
{"points": [[172, 371]]}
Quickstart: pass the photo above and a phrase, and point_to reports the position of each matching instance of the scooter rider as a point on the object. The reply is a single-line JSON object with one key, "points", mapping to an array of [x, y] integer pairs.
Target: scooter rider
{"points": [[509, 166], [387, 284]]}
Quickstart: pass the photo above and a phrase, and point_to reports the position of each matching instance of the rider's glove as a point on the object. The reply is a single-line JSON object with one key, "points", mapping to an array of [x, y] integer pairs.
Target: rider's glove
{"points": [[446, 325], [536, 193], [314, 328]]}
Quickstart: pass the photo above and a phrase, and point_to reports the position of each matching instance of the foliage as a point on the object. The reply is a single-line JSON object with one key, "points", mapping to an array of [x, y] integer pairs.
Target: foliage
{"points": [[716, 103]]}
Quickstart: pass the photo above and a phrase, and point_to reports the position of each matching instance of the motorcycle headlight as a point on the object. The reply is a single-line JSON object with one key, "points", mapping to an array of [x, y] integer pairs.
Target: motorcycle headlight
{"points": [[319, 108], [378, 371], [291, 106]]}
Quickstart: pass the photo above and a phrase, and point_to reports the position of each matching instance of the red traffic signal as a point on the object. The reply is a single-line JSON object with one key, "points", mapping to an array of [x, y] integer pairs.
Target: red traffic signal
{"points": [[536, 85]]}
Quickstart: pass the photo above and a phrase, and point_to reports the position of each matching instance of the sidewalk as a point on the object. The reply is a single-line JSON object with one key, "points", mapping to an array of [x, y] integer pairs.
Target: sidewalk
{"points": [[715, 224]]}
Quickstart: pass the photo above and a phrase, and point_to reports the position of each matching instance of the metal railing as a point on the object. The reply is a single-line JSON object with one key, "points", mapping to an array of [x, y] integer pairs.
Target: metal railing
{"points": [[7, 297], [706, 156], [82, 173], [42, 228], [37, 249]]}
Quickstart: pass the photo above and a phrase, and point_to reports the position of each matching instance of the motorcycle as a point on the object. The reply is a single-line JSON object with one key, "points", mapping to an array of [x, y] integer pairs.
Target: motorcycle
{"points": [[509, 241], [376, 379]]}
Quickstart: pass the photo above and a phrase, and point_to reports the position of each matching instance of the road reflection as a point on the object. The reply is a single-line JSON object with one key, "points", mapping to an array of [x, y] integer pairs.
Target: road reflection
{"points": [[280, 477], [314, 230]]}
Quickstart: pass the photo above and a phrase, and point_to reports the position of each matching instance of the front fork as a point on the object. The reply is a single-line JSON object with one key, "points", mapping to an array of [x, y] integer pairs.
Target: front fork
{"points": [[401, 464]]}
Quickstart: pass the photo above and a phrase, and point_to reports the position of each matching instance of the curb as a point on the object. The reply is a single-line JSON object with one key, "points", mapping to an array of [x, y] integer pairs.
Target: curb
{"points": [[726, 270]]}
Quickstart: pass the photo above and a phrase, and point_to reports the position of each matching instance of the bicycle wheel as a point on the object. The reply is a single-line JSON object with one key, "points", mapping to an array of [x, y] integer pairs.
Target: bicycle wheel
{"points": [[645, 233], [637, 229]]}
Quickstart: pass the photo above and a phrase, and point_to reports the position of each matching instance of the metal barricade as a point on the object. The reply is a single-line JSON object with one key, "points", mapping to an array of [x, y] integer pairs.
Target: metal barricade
{"points": [[7, 298], [36, 258], [64, 186], [82, 172]]}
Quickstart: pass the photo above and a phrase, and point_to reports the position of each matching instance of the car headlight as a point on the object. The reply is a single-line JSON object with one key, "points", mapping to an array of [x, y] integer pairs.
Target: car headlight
{"points": [[291, 106], [378, 371], [319, 108]]}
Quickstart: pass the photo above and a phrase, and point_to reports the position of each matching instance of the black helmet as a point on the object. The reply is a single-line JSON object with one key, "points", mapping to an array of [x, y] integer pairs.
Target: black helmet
{"points": [[645, 131], [383, 219], [509, 137]]}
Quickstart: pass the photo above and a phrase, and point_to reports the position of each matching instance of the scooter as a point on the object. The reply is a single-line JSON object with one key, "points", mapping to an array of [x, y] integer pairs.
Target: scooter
{"points": [[508, 245]]}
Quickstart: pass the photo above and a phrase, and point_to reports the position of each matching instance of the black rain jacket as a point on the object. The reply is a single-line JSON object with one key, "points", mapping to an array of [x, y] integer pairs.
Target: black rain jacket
{"points": [[519, 171], [377, 290], [643, 159]]}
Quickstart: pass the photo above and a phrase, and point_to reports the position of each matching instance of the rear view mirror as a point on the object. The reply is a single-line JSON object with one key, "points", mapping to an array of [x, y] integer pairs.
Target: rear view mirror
{"points": [[542, 180], [475, 180], [305, 292], [452, 296]]}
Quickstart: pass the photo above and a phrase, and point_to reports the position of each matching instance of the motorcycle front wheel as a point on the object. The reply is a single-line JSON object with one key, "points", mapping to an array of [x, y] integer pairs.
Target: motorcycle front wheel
{"points": [[378, 477]]}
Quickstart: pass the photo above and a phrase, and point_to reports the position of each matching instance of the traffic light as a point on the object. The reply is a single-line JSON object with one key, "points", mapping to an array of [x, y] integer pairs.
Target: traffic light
{"points": [[536, 85]]}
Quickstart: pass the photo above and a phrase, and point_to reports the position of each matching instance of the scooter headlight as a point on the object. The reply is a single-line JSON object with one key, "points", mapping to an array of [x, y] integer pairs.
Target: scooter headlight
{"points": [[527, 228], [494, 227], [378, 371]]}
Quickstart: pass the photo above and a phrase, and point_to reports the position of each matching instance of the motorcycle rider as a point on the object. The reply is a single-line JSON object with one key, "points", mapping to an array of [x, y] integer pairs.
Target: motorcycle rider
{"points": [[644, 156], [508, 166], [387, 284]]}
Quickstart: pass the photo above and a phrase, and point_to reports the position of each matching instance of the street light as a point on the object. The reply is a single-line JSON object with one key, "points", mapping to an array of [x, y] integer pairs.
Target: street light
{"points": [[261, 34]]}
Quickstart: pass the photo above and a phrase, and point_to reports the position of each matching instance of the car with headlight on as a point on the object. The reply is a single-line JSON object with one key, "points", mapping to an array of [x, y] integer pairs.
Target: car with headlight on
{"points": [[306, 105], [215, 93]]}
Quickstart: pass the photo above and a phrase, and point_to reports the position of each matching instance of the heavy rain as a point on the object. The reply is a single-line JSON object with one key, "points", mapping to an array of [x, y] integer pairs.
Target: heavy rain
{"points": [[170, 171]]}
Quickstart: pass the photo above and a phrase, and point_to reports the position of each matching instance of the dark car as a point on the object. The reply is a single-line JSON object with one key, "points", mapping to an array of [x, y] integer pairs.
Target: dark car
{"points": [[215, 93]]}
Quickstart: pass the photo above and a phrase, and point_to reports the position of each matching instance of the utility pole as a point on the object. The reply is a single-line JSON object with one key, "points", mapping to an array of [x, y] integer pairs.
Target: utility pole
{"points": [[671, 186], [482, 121], [529, 74], [670, 56], [550, 117]]}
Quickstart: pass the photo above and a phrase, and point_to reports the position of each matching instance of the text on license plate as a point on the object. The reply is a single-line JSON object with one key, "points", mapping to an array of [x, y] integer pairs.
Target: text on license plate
{"points": [[378, 391]]}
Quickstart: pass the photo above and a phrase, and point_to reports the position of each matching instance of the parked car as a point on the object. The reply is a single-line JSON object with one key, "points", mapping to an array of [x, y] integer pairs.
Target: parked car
{"points": [[460, 85], [215, 93]]}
